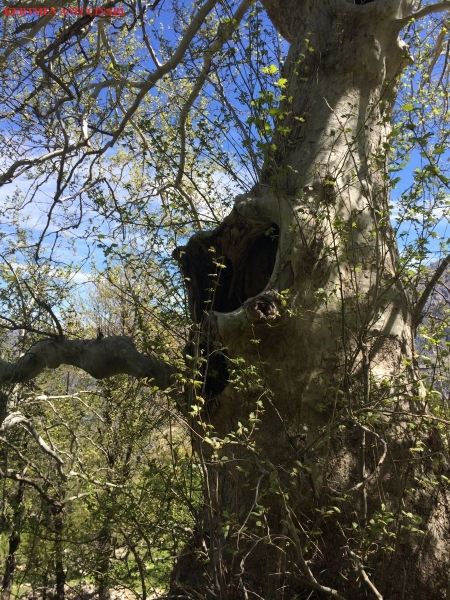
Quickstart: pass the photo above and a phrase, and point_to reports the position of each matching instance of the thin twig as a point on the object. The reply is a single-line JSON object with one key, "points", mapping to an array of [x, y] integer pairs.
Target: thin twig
{"points": [[312, 581], [377, 468], [223, 37], [364, 575], [46, 307]]}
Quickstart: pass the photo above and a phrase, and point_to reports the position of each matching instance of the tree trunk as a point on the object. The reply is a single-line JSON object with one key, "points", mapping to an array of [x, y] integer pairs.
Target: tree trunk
{"points": [[102, 575], [60, 574], [14, 543], [317, 481]]}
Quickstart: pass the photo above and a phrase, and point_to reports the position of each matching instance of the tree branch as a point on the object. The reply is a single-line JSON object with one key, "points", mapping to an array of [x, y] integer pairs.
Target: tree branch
{"points": [[9, 474], [224, 36], [19, 419], [195, 24], [46, 307], [303, 564], [377, 469], [100, 358], [26, 163], [224, 327], [361, 569], [418, 309], [25, 39], [160, 72], [423, 12]]}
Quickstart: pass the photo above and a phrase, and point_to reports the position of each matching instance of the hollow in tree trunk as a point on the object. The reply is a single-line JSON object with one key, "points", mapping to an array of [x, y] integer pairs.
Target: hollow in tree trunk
{"points": [[315, 485]]}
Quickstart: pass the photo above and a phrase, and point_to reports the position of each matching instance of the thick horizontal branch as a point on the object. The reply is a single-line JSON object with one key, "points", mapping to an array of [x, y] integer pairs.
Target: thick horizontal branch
{"points": [[100, 358]]}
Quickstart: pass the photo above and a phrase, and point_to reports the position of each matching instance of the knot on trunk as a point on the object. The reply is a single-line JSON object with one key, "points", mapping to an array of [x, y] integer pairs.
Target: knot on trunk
{"points": [[263, 308]]}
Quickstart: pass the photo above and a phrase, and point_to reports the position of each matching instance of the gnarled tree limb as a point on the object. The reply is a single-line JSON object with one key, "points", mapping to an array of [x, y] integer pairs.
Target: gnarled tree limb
{"points": [[99, 357]]}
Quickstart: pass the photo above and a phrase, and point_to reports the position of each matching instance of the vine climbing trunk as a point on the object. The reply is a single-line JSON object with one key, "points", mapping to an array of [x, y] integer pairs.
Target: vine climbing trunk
{"points": [[310, 416]]}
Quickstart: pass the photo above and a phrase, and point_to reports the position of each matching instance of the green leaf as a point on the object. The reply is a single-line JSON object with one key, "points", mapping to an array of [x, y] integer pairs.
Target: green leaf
{"points": [[270, 70]]}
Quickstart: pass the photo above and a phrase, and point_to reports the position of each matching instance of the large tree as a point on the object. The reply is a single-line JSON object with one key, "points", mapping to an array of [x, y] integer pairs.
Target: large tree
{"points": [[324, 469]]}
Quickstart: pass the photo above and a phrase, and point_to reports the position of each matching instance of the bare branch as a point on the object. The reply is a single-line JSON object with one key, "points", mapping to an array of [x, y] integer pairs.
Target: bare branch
{"points": [[377, 469], [25, 39], [72, 30], [223, 37], [46, 307], [100, 358], [418, 309], [28, 463], [15, 169], [171, 64], [15, 326], [303, 564], [438, 49], [12, 173]]}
